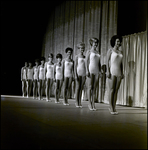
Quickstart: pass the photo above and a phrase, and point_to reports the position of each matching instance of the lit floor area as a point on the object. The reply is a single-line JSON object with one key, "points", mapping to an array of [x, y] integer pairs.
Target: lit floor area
{"points": [[28, 123]]}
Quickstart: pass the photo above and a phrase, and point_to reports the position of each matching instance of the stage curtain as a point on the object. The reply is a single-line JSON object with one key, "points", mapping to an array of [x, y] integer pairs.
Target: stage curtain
{"points": [[75, 21], [133, 88]]}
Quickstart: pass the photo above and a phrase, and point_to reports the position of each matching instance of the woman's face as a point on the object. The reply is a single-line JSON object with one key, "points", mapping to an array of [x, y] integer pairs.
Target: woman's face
{"points": [[81, 49], [69, 53], [30, 64], [26, 64], [42, 62], [50, 58], [117, 43], [37, 63], [59, 60], [94, 43]]}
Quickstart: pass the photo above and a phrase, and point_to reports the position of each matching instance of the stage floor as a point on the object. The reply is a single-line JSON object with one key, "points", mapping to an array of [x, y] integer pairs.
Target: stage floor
{"points": [[32, 124]]}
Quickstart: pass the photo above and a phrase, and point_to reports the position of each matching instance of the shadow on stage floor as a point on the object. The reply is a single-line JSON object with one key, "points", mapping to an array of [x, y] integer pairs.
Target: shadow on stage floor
{"points": [[27, 123]]}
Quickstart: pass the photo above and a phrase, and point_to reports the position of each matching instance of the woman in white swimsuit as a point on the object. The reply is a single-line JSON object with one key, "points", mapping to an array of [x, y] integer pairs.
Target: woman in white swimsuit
{"points": [[80, 73], [114, 71], [68, 72], [58, 77], [35, 78], [29, 78], [41, 81], [49, 76], [24, 78], [93, 72]]}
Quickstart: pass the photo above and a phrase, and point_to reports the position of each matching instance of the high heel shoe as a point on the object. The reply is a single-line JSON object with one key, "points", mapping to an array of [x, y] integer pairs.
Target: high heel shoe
{"points": [[89, 107], [76, 105]]}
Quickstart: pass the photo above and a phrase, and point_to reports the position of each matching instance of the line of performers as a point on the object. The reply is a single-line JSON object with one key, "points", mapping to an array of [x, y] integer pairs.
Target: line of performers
{"points": [[81, 69]]}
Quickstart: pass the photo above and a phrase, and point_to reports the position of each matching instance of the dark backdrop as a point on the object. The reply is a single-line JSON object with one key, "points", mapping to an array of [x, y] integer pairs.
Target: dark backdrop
{"points": [[23, 25]]}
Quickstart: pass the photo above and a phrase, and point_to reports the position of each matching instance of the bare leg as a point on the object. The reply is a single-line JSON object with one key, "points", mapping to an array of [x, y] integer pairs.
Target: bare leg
{"points": [[69, 87], [40, 89], [27, 88], [96, 83], [116, 92], [81, 88], [30, 86], [57, 91], [61, 83], [65, 90], [77, 92], [111, 90], [23, 87]]}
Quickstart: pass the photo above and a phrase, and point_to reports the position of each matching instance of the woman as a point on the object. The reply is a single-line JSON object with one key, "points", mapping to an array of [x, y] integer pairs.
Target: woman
{"points": [[49, 75], [35, 78], [58, 77], [41, 81], [80, 73], [68, 72], [93, 72], [114, 71], [24, 78], [29, 78]]}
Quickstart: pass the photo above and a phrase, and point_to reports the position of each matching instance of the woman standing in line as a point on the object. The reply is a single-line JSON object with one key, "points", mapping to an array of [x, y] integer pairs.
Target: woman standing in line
{"points": [[58, 77], [49, 75], [41, 81], [29, 78], [35, 78], [24, 78], [93, 71], [68, 72], [114, 71], [80, 73]]}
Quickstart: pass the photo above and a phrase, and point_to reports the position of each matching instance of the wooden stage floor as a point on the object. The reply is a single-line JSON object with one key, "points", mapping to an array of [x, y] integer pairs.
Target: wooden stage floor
{"points": [[32, 124]]}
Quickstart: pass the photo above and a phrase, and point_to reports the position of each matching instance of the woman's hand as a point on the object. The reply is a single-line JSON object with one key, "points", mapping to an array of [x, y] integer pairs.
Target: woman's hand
{"points": [[76, 78], [108, 75], [54, 80], [88, 74]]}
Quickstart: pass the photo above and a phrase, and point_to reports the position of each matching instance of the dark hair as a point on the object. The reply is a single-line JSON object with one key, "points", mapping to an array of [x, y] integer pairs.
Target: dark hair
{"points": [[59, 56], [67, 49], [113, 40], [93, 39], [42, 58], [29, 62], [37, 60], [50, 55]]}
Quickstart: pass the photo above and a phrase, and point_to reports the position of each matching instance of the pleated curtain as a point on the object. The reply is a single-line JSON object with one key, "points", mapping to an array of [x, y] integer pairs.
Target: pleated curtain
{"points": [[133, 88]]}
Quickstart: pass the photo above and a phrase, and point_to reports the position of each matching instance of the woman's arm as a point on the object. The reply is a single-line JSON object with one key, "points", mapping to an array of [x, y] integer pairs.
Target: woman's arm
{"points": [[75, 67], [87, 61], [73, 70], [45, 70], [54, 72], [21, 73], [63, 67], [107, 63]]}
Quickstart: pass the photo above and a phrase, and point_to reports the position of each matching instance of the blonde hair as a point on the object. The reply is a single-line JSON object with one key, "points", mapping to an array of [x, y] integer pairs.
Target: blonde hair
{"points": [[81, 44]]}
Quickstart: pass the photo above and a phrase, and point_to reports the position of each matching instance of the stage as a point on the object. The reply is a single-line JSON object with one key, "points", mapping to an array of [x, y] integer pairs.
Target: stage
{"points": [[27, 123]]}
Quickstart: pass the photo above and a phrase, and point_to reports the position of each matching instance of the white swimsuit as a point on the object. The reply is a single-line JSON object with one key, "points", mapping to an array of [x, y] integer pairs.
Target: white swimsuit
{"points": [[24, 74], [81, 70], [41, 73], [49, 73], [115, 61], [35, 73], [68, 69], [58, 72], [30, 73], [94, 63]]}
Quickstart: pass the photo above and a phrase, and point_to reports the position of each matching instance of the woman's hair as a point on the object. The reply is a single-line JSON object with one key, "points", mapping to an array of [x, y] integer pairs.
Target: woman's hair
{"points": [[37, 60], [81, 44], [50, 55], [42, 58], [91, 40], [67, 49], [113, 40], [59, 56]]}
